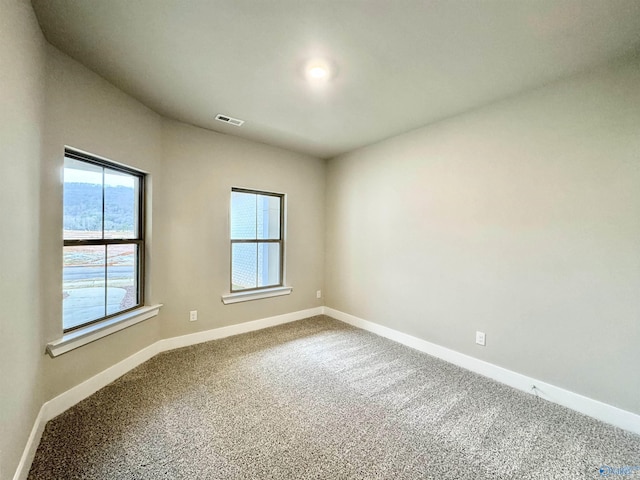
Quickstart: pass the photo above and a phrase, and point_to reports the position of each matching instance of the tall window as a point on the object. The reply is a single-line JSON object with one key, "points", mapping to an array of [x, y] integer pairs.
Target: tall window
{"points": [[103, 240], [257, 247]]}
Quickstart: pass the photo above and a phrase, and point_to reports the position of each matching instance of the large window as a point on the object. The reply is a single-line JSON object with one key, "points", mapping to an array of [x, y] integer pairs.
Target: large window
{"points": [[257, 247], [103, 240]]}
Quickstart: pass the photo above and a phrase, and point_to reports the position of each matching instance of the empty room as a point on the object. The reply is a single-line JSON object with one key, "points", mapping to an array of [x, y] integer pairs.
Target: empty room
{"points": [[329, 239]]}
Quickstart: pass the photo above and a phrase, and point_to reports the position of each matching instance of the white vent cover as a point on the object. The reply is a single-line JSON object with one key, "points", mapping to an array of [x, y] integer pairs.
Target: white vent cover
{"points": [[230, 120]]}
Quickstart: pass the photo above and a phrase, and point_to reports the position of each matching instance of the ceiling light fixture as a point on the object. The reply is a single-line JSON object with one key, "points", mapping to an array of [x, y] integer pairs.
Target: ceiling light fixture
{"points": [[318, 71]]}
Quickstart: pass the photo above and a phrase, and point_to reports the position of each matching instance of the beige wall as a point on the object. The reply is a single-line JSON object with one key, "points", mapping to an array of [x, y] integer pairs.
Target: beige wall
{"points": [[521, 219], [201, 167], [86, 112], [21, 108], [191, 173], [187, 231]]}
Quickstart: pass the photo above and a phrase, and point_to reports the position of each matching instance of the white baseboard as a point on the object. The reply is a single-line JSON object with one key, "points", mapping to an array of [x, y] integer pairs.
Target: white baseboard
{"points": [[32, 445], [54, 407], [585, 405], [217, 333], [68, 399], [71, 397]]}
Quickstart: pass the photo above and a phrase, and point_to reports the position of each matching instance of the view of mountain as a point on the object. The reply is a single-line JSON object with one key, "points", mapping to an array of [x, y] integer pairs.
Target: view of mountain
{"points": [[83, 207]]}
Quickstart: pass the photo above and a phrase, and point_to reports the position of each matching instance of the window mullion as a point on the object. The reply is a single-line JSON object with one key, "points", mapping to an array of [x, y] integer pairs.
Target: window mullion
{"points": [[262, 240], [105, 278], [103, 178], [256, 242], [106, 251], [78, 243]]}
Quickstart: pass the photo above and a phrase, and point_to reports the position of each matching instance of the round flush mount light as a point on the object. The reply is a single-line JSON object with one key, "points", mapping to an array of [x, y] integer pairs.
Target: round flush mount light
{"points": [[318, 71]]}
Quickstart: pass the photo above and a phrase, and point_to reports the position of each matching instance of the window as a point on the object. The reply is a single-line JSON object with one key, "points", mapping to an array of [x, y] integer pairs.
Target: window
{"points": [[103, 257], [257, 246]]}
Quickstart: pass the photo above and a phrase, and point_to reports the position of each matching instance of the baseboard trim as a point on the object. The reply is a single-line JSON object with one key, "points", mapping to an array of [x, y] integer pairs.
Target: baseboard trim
{"points": [[32, 445], [585, 405], [71, 397], [222, 332]]}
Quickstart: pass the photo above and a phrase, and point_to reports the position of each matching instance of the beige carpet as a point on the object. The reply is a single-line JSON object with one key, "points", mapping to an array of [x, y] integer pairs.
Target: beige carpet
{"points": [[319, 399]]}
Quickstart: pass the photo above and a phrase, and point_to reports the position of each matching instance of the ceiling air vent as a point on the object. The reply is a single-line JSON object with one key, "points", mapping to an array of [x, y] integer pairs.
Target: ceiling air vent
{"points": [[230, 120]]}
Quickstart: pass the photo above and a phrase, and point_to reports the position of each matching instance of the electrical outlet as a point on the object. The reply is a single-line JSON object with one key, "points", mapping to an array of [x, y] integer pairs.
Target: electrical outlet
{"points": [[193, 315], [480, 338], [319, 294]]}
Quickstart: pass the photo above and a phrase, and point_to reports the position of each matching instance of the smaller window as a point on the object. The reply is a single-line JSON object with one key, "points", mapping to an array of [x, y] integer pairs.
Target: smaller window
{"points": [[257, 246]]}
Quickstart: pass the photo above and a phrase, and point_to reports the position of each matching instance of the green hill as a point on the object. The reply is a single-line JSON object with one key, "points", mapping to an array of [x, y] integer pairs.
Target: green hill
{"points": [[83, 207]]}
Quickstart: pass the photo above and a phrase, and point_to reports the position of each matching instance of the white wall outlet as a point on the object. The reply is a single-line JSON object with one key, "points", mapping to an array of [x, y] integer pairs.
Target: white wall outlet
{"points": [[319, 294], [480, 338], [193, 315]]}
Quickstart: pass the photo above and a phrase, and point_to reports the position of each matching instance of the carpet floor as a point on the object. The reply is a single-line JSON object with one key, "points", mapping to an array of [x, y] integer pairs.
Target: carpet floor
{"points": [[318, 399]]}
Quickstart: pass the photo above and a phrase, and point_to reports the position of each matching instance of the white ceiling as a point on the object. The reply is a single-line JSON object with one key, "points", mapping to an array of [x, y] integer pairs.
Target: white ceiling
{"points": [[400, 64]]}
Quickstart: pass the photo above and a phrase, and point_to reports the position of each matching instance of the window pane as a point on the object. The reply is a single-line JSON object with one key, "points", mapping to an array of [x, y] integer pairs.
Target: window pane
{"points": [[83, 285], [82, 200], [243, 216], [268, 211], [122, 281], [243, 265], [268, 264], [121, 194]]}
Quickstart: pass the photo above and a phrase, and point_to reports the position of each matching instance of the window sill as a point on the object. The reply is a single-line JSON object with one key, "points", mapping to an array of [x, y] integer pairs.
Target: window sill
{"points": [[237, 297], [82, 336]]}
